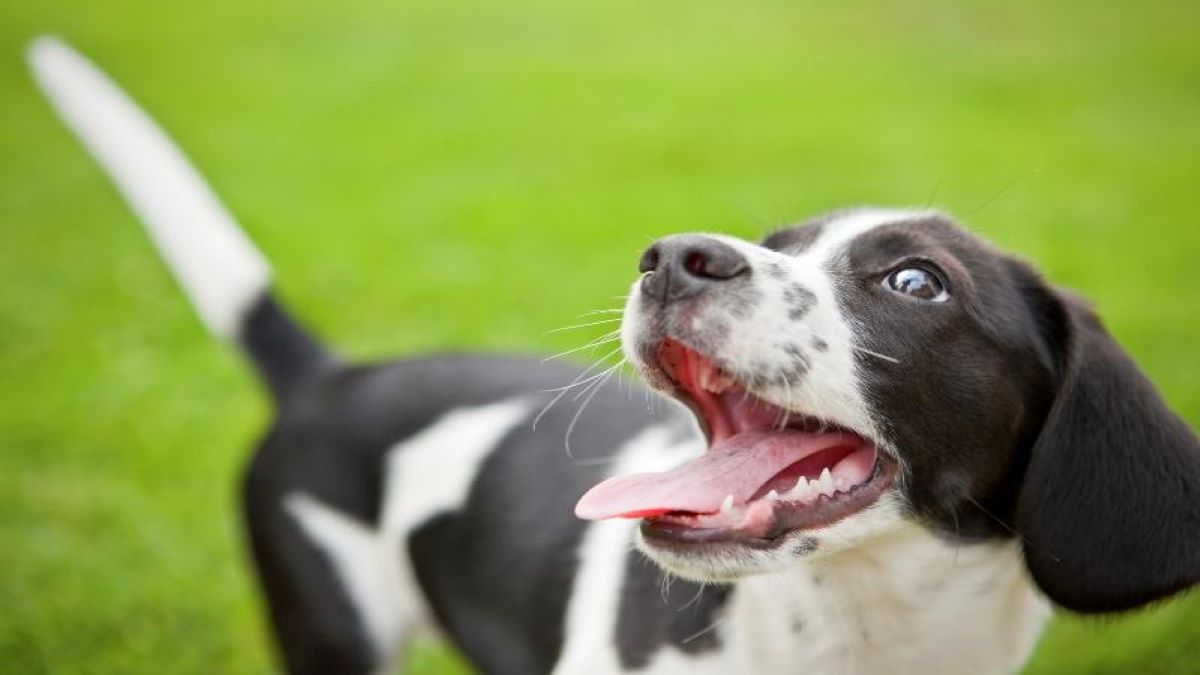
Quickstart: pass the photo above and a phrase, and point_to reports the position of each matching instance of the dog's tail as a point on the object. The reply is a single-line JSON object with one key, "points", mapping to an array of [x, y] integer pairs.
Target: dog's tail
{"points": [[226, 278]]}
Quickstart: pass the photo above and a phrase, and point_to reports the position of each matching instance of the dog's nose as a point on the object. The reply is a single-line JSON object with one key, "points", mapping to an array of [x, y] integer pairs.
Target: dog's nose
{"points": [[682, 265]]}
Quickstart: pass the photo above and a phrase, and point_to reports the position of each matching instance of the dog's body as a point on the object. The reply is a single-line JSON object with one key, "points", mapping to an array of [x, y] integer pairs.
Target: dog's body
{"points": [[968, 441], [393, 501]]}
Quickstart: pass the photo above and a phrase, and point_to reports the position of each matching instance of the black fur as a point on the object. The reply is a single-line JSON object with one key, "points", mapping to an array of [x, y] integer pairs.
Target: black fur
{"points": [[497, 572], [643, 627], [1018, 415], [1109, 508], [972, 379], [282, 351]]}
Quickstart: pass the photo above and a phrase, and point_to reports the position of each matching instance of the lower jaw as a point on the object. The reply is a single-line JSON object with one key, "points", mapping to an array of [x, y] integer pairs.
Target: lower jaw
{"points": [[787, 519]]}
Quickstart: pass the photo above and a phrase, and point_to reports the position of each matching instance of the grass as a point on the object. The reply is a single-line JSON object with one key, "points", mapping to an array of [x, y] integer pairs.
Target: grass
{"points": [[430, 175]]}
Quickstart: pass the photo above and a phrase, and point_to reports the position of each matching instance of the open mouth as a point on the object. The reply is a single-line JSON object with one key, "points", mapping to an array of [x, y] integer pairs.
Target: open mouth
{"points": [[767, 471]]}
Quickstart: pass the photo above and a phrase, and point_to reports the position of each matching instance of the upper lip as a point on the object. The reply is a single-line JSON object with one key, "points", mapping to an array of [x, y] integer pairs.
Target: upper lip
{"points": [[714, 380]]}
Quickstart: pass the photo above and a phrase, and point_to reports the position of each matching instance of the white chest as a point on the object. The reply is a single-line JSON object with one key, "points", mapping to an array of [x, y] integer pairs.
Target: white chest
{"points": [[911, 604]]}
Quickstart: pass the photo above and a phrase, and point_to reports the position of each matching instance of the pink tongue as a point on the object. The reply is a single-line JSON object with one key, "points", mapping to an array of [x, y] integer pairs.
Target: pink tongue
{"points": [[736, 466]]}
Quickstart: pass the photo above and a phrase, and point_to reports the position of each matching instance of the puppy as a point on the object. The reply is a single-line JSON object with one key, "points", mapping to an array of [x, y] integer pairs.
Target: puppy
{"points": [[894, 449]]}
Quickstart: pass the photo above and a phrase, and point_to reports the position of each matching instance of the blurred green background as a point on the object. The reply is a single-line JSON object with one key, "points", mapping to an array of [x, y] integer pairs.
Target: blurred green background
{"points": [[430, 175]]}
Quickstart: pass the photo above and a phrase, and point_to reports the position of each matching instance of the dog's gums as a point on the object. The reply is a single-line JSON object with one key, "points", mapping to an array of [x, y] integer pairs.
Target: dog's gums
{"points": [[767, 471]]}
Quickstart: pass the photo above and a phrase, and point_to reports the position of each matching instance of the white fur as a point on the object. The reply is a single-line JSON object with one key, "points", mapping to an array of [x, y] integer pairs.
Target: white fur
{"points": [[851, 224], [428, 473], [362, 566], [901, 602], [219, 268], [595, 593], [432, 471]]}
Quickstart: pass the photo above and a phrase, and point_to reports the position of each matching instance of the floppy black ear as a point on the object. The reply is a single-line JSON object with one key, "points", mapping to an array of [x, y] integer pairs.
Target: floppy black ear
{"points": [[1109, 510]]}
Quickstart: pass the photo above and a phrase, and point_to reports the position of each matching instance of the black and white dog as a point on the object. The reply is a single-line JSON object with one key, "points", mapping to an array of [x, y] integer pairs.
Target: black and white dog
{"points": [[909, 445]]}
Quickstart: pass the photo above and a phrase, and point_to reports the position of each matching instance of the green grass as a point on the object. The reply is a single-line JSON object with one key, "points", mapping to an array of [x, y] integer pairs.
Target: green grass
{"points": [[415, 169]]}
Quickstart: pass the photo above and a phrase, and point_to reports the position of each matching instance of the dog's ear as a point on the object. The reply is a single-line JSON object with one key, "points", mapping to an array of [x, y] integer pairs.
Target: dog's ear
{"points": [[1109, 510]]}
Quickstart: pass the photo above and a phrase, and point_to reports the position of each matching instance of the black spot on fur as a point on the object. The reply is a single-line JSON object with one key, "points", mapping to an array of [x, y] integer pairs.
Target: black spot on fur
{"points": [[742, 302], [819, 344], [799, 300], [799, 365], [654, 613], [807, 546]]}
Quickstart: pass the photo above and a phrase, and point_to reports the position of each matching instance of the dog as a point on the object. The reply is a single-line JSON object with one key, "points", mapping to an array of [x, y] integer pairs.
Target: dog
{"points": [[882, 446]]}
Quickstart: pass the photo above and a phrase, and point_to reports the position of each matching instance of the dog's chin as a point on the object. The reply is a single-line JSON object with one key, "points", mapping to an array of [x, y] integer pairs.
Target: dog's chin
{"points": [[724, 562], [730, 561]]}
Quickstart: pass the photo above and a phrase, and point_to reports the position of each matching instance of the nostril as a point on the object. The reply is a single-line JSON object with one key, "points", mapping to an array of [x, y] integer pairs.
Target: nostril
{"points": [[713, 261], [649, 260], [682, 266], [696, 264]]}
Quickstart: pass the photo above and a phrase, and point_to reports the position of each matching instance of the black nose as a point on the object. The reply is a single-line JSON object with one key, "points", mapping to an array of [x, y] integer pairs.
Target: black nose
{"points": [[681, 266]]}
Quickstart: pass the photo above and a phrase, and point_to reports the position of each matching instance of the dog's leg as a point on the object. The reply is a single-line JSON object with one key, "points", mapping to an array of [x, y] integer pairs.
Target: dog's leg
{"points": [[328, 580]]}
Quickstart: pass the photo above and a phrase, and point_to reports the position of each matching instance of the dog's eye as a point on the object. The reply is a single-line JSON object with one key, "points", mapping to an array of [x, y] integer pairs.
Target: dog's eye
{"points": [[918, 283]]}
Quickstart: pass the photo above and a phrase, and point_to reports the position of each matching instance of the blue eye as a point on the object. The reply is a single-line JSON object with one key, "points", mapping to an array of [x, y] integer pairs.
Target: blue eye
{"points": [[917, 283]]}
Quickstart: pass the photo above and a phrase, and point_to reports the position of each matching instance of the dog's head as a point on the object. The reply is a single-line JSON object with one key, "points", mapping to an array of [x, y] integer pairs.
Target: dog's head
{"points": [[871, 369]]}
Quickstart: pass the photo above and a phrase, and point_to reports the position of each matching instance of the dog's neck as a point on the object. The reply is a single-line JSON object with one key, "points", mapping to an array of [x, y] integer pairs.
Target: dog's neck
{"points": [[907, 603]]}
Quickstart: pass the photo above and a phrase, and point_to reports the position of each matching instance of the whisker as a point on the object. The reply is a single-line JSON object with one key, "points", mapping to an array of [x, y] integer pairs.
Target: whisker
{"points": [[877, 355], [581, 383], [999, 193], [787, 408], [1005, 525], [603, 339], [702, 631], [577, 382], [694, 600], [664, 586], [593, 312], [595, 387], [594, 461], [856, 348], [957, 536], [581, 325], [934, 194], [563, 390], [607, 372]]}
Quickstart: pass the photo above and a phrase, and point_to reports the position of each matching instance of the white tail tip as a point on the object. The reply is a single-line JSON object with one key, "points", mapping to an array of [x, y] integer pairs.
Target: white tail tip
{"points": [[219, 268]]}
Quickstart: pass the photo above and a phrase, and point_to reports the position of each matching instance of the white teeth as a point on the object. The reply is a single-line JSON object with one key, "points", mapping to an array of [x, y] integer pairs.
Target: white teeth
{"points": [[807, 490], [825, 483], [802, 491], [727, 505], [712, 379]]}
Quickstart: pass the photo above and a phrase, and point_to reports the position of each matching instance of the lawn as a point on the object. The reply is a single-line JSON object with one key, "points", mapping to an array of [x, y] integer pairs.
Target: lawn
{"points": [[429, 175]]}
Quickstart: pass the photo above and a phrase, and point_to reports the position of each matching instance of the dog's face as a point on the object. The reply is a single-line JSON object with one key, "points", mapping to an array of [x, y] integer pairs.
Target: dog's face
{"points": [[873, 369]]}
